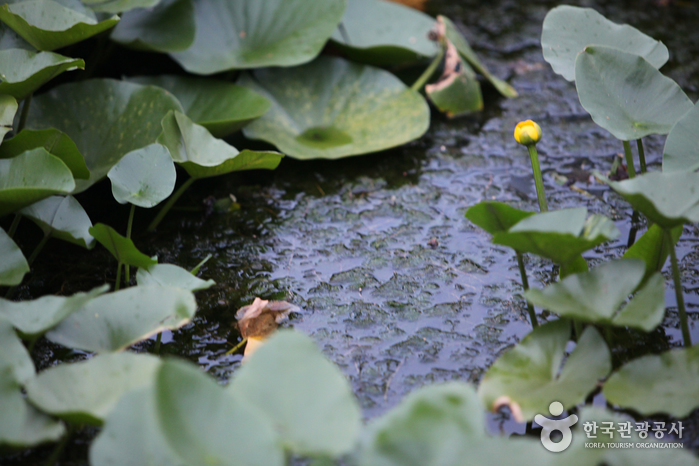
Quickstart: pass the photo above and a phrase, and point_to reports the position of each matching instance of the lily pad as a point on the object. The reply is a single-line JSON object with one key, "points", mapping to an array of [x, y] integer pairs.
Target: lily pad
{"points": [[167, 27], [106, 118], [55, 142], [202, 155], [219, 106], [8, 109], [457, 92], [48, 25], [16, 365], [63, 218], [114, 321], [653, 249], [596, 296], [332, 108], [316, 412], [34, 317], [118, 6], [529, 376], [123, 249], [495, 217], [567, 30], [171, 275], [30, 177], [236, 35], [658, 383], [23, 71], [681, 152], [383, 33], [143, 177], [14, 265], [10, 40], [626, 95]]}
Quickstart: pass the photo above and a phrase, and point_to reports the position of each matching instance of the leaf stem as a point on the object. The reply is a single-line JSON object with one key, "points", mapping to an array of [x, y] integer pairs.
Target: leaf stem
{"points": [[38, 248], [631, 170], [641, 154], [117, 285], [237, 347], [58, 451], [525, 285], [170, 202], [678, 289], [128, 236], [538, 179], [156, 349], [25, 113], [427, 74], [15, 224]]}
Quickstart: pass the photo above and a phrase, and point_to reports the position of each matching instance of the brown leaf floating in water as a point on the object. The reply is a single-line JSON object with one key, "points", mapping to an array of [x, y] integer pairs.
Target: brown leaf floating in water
{"points": [[260, 319]]}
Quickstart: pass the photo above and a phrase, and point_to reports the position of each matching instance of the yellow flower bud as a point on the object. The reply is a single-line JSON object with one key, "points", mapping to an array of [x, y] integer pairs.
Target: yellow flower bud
{"points": [[527, 132]]}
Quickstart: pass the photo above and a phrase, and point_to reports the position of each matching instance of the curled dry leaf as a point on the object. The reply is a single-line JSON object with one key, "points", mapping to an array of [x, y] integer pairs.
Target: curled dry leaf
{"points": [[513, 405], [260, 319]]}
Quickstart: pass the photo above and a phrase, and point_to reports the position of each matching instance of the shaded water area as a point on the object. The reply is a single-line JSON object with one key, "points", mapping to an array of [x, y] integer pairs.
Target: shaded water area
{"points": [[394, 284]]}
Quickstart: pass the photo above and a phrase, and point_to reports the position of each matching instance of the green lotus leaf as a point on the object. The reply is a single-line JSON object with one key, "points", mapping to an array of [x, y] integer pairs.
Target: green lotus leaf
{"points": [[119, 6], [457, 92], [596, 296], [495, 217], [332, 108], [34, 317], [123, 249], [167, 27], [658, 383], [681, 152], [205, 425], [49, 25], [653, 249], [292, 360], [63, 218], [30, 177], [10, 40], [23, 71], [219, 106], [86, 392], [529, 376], [567, 30], [202, 155], [143, 177], [171, 275], [626, 95], [14, 265], [16, 365], [383, 33], [8, 108], [236, 35], [114, 321], [106, 118]]}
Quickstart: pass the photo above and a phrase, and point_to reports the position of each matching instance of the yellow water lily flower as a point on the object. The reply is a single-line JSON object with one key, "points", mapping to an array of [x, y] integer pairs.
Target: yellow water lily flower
{"points": [[527, 132]]}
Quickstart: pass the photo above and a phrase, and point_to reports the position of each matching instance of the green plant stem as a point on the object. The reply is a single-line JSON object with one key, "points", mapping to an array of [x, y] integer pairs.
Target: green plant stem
{"points": [[525, 285], [631, 170], [156, 349], [237, 347], [170, 202], [127, 269], [678, 290], [25, 113], [15, 224], [117, 285], [538, 179], [427, 74], [38, 248], [577, 326], [58, 451], [641, 154]]}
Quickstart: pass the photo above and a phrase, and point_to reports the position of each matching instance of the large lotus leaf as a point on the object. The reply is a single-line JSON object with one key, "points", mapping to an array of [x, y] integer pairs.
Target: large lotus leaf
{"points": [[202, 155], [10, 40], [252, 34], [118, 6], [171, 275], [681, 150], [332, 108], [34, 317], [595, 296], [8, 108], [567, 30], [529, 376], [168, 27], [457, 92], [13, 266], [668, 199], [626, 95], [30, 177], [122, 248], [219, 106], [658, 383], [16, 365], [495, 217], [384, 33], [86, 392], [316, 413], [55, 142], [117, 320], [23, 71], [560, 235], [205, 425], [143, 177], [48, 25], [63, 218], [653, 249], [106, 119]]}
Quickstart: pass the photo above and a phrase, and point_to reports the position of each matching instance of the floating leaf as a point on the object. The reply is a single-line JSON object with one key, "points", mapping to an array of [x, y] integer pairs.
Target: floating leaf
{"points": [[626, 95], [118, 6], [117, 320], [48, 25], [13, 266], [316, 412], [172, 276], [167, 27], [235, 35], [123, 249], [63, 218], [567, 30], [332, 108], [457, 92], [529, 376], [681, 150], [106, 119], [658, 383], [219, 106], [8, 108], [30, 177], [23, 71], [143, 177], [495, 217], [652, 248]]}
